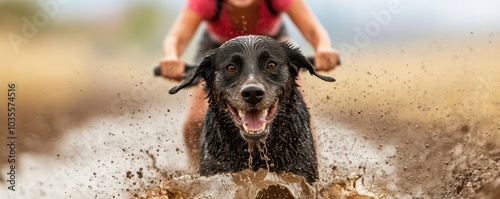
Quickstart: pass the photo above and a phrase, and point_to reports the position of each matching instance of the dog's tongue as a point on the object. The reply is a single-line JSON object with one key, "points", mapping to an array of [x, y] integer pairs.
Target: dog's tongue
{"points": [[254, 120]]}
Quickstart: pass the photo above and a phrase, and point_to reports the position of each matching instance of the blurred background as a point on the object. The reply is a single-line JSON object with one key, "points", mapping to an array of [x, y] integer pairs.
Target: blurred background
{"points": [[418, 93]]}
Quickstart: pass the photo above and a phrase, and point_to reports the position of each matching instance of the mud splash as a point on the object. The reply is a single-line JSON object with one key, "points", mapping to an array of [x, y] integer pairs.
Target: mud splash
{"points": [[260, 185]]}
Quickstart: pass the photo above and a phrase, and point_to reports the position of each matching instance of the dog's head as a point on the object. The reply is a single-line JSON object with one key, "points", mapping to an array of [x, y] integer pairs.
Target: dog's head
{"points": [[248, 76]]}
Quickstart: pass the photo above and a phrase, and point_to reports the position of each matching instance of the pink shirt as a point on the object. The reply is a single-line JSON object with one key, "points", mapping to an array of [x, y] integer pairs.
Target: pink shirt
{"points": [[268, 24]]}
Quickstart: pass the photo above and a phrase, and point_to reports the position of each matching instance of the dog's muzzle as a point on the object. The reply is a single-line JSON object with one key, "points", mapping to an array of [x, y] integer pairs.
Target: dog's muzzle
{"points": [[253, 122]]}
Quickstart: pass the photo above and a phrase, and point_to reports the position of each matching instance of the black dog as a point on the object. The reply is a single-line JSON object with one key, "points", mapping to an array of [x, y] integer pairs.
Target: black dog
{"points": [[257, 117]]}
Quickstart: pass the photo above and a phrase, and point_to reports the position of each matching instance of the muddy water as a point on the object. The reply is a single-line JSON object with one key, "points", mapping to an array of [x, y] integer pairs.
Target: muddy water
{"points": [[260, 184], [415, 120]]}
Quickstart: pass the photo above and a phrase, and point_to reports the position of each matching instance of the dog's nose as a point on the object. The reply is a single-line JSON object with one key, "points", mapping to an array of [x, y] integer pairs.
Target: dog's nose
{"points": [[252, 94]]}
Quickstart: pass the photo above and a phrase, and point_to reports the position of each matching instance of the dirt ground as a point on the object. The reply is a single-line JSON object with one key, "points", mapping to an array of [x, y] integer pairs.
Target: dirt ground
{"points": [[416, 120]]}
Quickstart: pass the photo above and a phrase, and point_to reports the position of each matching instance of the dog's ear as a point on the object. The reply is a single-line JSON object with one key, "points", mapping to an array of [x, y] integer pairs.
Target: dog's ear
{"points": [[296, 58], [203, 70]]}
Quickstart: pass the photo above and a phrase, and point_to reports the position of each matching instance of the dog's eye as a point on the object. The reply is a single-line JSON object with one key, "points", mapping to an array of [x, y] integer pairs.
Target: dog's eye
{"points": [[271, 65], [230, 68]]}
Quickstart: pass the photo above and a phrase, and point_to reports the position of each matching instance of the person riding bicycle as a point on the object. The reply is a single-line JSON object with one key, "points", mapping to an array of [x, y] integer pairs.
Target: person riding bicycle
{"points": [[226, 19]]}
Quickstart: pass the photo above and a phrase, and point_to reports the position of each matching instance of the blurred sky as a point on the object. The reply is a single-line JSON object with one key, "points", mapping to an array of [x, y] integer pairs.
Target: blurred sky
{"points": [[454, 20], [417, 20], [443, 14]]}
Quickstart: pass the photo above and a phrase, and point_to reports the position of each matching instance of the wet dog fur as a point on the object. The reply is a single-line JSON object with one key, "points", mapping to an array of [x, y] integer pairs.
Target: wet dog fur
{"points": [[257, 117]]}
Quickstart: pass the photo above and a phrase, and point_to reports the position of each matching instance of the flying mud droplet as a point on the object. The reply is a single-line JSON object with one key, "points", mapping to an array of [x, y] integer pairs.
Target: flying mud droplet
{"points": [[129, 175], [139, 174]]}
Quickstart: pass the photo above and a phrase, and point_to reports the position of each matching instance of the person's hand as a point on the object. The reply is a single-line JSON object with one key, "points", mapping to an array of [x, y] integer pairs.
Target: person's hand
{"points": [[172, 67], [326, 59]]}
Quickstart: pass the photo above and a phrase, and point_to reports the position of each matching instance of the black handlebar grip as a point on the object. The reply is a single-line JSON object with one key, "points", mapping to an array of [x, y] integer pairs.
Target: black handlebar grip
{"points": [[187, 68], [311, 59], [157, 71], [190, 67]]}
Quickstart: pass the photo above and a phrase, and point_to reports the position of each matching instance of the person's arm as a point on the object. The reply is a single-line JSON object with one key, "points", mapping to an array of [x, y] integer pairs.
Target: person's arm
{"points": [[175, 42], [326, 58]]}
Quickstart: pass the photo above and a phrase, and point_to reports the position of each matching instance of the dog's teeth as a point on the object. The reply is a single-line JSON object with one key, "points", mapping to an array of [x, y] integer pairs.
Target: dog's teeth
{"points": [[264, 112], [263, 128], [240, 113], [255, 132], [245, 127]]}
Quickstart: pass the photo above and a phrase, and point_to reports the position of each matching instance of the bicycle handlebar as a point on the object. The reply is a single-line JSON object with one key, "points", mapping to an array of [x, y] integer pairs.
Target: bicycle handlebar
{"points": [[189, 67]]}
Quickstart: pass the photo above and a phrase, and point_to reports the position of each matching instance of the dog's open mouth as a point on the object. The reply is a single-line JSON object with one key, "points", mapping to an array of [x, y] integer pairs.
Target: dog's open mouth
{"points": [[254, 122]]}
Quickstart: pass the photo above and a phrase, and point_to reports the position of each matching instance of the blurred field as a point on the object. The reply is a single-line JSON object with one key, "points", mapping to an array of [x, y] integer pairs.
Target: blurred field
{"points": [[436, 103]]}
